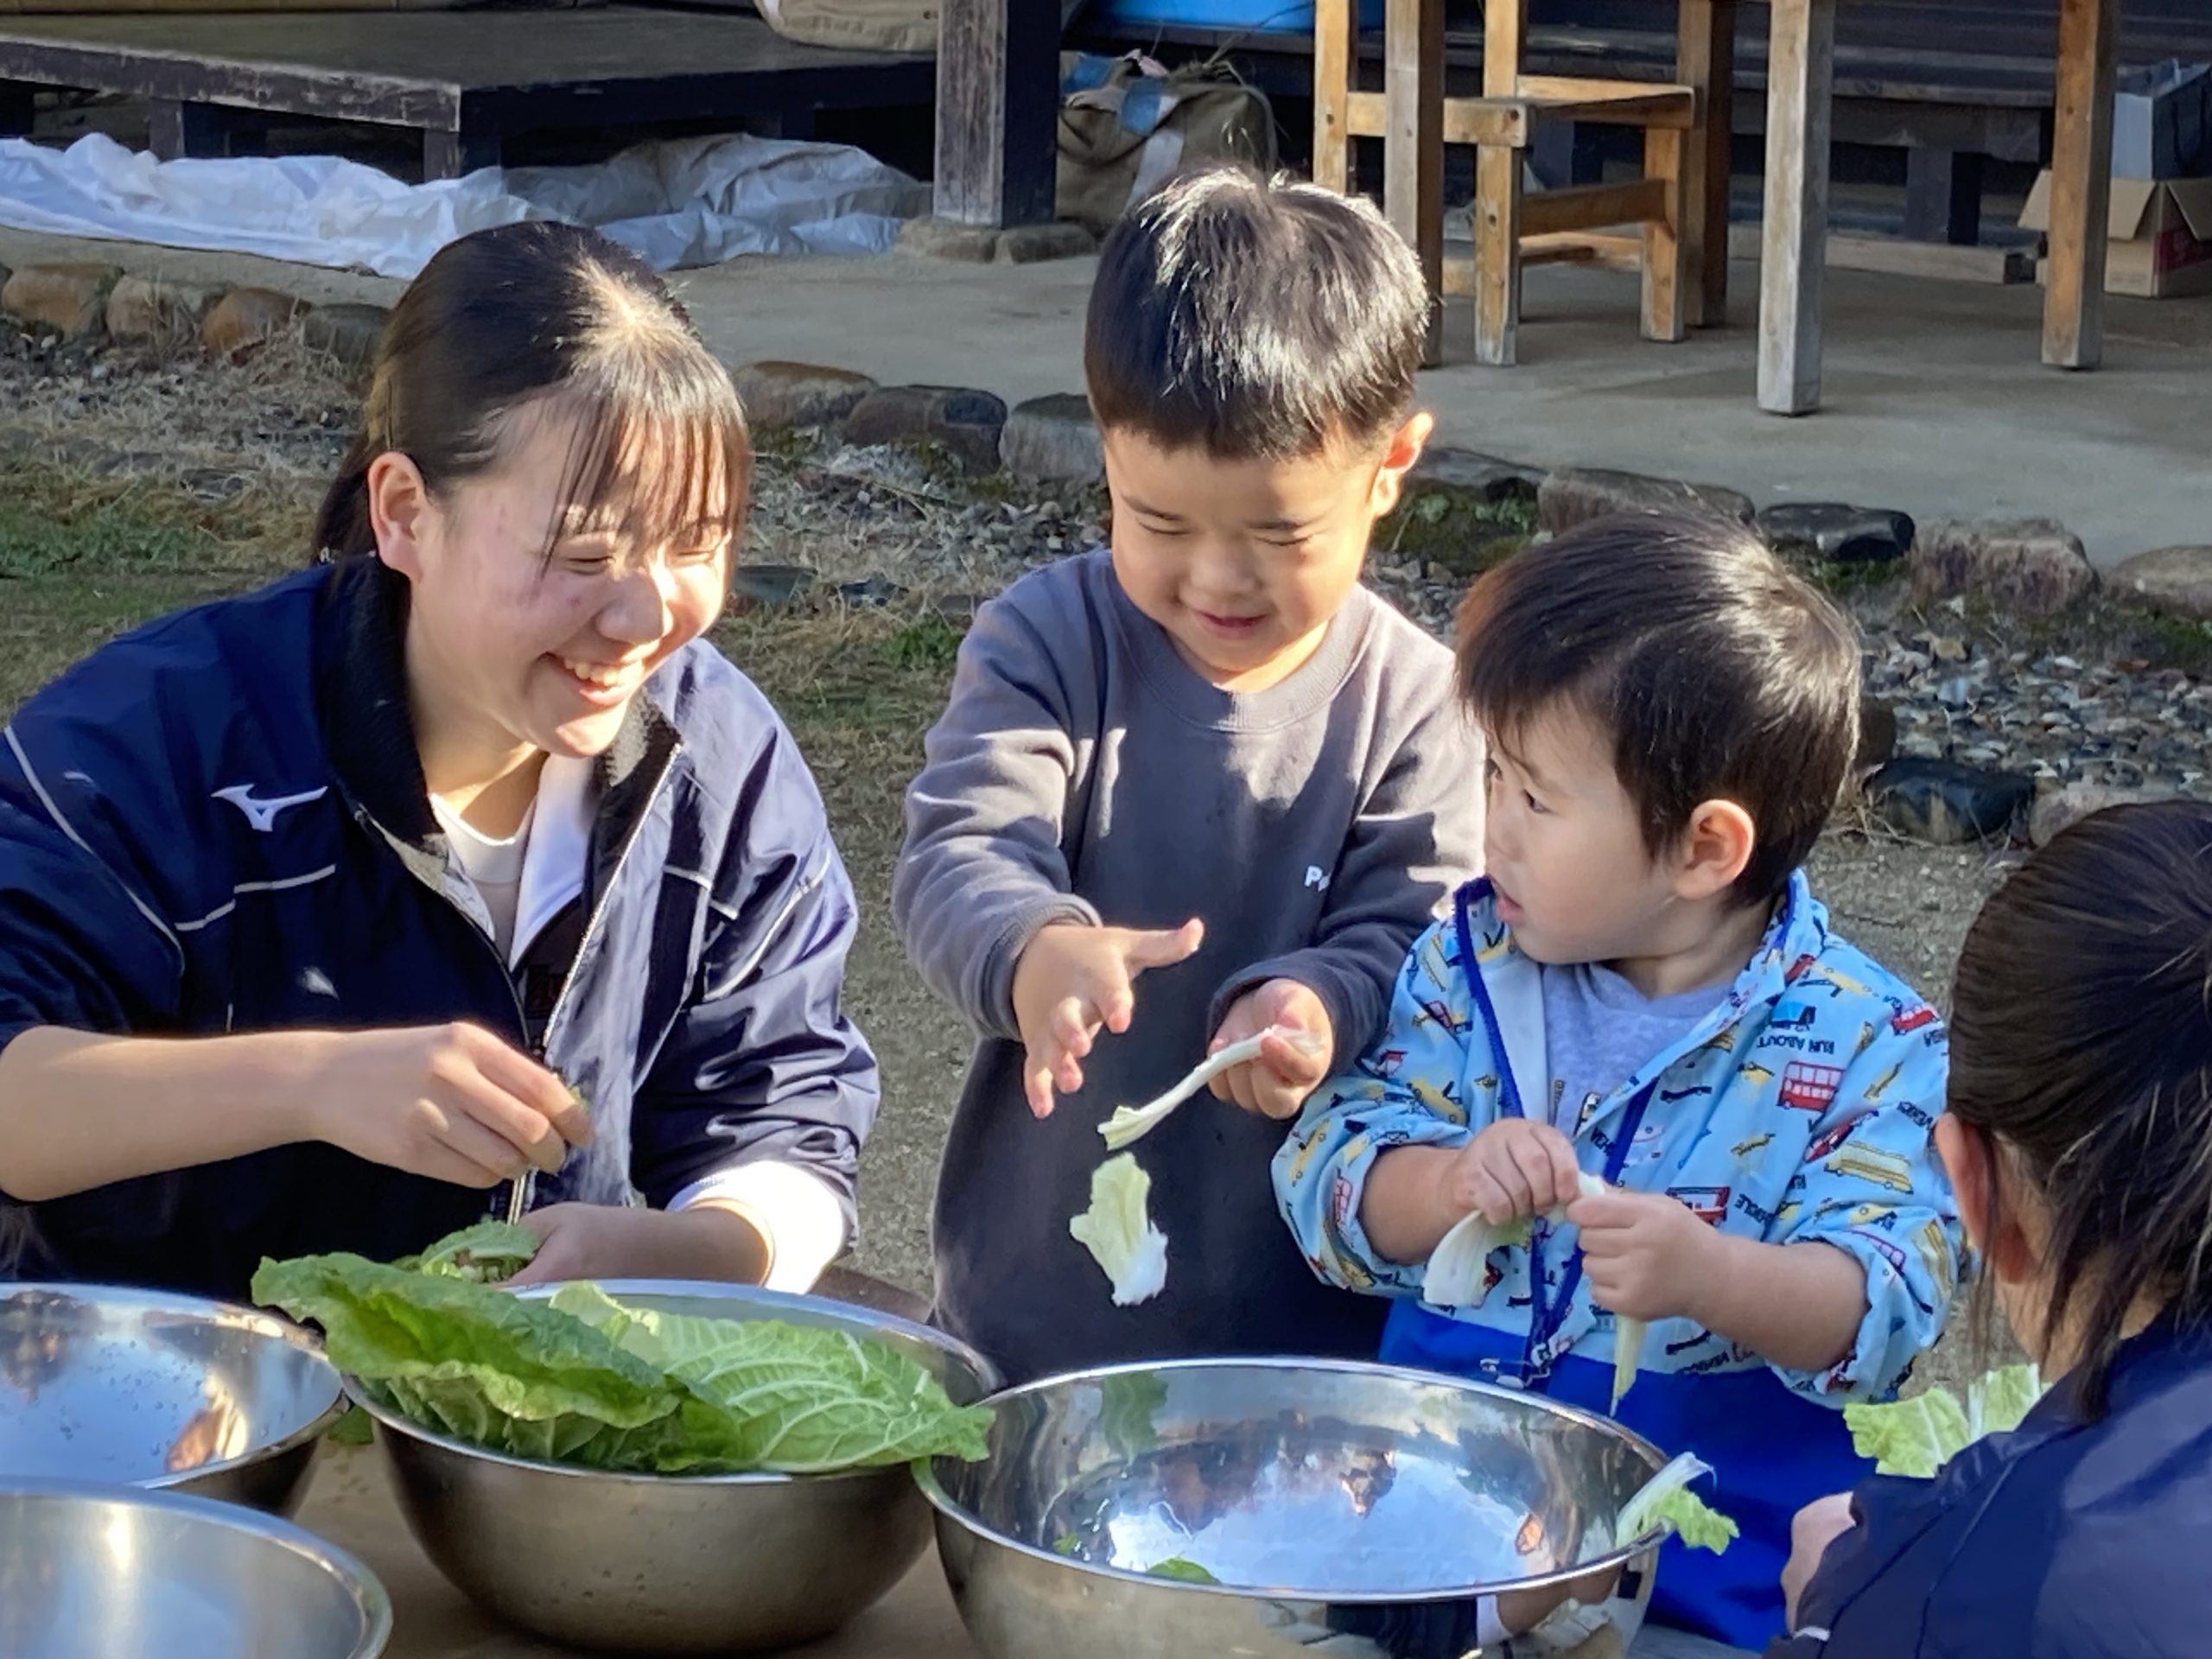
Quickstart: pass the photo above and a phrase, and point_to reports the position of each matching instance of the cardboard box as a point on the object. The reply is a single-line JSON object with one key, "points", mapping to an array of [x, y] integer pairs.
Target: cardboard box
{"points": [[2161, 233], [2159, 120]]}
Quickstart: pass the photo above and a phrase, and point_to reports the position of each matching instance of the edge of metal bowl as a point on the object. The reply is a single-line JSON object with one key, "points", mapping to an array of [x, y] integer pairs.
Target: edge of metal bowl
{"points": [[366, 1590], [987, 1380], [238, 1315], [1619, 1556]]}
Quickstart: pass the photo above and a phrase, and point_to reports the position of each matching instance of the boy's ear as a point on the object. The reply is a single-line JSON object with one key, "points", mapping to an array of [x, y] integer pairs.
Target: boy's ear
{"points": [[399, 503], [1405, 447], [1715, 848]]}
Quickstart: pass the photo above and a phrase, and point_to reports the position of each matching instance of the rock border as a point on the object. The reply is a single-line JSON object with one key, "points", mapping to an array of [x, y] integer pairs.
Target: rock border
{"points": [[1462, 510]]}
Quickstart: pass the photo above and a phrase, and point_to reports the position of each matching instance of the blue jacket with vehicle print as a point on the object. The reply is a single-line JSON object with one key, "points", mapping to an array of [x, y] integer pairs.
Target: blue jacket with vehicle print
{"points": [[1799, 1110], [219, 824]]}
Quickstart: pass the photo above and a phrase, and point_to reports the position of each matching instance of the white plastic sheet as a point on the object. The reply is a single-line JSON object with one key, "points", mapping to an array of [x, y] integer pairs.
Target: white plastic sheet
{"points": [[689, 202]]}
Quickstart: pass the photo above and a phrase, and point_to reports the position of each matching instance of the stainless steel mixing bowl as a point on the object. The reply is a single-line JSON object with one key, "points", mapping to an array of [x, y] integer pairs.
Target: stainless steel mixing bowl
{"points": [[151, 1388], [91, 1571], [675, 1564], [1355, 1510]]}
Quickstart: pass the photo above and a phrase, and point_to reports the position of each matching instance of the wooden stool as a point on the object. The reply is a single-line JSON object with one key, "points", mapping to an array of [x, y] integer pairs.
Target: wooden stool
{"points": [[1679, 208]]}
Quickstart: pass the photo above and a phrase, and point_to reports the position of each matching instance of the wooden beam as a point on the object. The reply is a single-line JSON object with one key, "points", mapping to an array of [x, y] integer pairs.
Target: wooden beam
{"points": [[2081, 184], [1593, 207], [1413, 145], [1705, 60], [1335, 61], [1801, 84], [1508, 121], [998, 92], [1611, 103]]}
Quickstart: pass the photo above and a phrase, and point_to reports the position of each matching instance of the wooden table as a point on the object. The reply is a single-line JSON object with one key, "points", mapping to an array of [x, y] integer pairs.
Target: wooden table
{"points": [[464, 79], [1800, 86], [351, 1504]]}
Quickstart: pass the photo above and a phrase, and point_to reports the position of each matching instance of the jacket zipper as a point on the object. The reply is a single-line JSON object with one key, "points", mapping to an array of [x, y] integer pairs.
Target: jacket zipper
{"points": [[519, 1190]]}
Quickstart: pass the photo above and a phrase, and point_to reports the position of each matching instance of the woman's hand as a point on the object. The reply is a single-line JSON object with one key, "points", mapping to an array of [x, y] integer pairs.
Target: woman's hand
{"points": [[452, 1102], [604, 1240], [1817, 1526]]}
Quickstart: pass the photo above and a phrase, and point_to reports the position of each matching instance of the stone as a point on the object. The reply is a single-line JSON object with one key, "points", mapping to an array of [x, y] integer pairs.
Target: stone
{"points": [[1468, 473], [1843, 534], [246, 317], [2029, 567], [1578, 494], [2058, 810], [941, 239], [793, 395], [350, 333], [2175, 580], [1033, 245], [1878, 735], [1948, 803], [870, 592], [148, 310], [965, 424], [70, 299], [1053, 439], [769, 587]]}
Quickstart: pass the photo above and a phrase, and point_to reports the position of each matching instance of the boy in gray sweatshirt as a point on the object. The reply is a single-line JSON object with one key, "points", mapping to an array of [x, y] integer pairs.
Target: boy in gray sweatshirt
{"points": [[1206, 756]]}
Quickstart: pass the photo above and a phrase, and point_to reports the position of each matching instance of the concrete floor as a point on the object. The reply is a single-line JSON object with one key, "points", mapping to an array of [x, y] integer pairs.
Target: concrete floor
{"points": [[1937, 402]]}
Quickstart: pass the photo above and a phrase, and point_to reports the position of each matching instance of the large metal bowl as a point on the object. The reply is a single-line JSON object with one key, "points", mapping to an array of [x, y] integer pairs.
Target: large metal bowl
{"points": [[681, 1564], [147, 1387], [90, 1570], [1351, 1509]]}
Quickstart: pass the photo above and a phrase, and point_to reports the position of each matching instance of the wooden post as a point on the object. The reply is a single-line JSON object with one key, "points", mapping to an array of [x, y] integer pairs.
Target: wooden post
{"points": [[1413, 143], [1668, 239], [1800, 86], [1706, 60], [456, 154], [176, 129], [998, 89], [2081, 184], [1335, 62]]}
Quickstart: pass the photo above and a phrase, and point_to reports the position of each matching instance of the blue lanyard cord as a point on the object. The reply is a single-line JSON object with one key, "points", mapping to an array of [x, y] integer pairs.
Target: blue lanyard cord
{"points": [[1545, 1316]]}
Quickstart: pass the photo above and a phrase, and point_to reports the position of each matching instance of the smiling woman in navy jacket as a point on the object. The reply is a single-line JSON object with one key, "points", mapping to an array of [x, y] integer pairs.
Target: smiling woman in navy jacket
{"points": [[315, 904], [2079, 1138]]}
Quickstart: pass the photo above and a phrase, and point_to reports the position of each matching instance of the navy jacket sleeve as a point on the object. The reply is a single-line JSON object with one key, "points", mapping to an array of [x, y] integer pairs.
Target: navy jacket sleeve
{"points": [[762, 1063]]}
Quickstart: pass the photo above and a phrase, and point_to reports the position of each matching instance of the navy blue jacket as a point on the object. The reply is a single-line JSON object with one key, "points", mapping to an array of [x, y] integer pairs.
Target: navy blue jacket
{"points": [[2065, 1539], [691, 992]]}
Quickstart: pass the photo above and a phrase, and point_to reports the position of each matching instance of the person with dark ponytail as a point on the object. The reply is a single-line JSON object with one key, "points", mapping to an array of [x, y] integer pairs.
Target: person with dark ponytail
{"points": [[2079, 1138], [459, 866]]}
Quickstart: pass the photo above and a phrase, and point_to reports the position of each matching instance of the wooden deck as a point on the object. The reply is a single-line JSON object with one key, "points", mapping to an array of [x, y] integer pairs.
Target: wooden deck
{"points": [[465, 81]]}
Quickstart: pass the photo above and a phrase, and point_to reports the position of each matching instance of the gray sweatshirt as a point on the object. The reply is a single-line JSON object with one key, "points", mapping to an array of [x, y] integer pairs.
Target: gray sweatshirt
{"points": [[1084, 772]]}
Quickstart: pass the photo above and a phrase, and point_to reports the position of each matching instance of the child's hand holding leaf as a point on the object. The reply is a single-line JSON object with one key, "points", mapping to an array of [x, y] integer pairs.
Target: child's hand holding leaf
{"points": [[1648, 1257], [1289, 1067]]}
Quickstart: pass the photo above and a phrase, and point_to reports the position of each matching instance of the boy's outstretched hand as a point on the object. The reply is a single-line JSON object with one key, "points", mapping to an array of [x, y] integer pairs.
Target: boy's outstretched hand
{"points": [[1275, 1084], [1648, 1255], [1074, 981]]}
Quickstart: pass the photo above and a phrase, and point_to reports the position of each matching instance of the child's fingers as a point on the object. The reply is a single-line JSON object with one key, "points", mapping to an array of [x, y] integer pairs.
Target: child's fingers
{"points": [[1291, 1063], [1495, 1204], [1037, 1084], [1532, 1161], [1070, 1026], [1165, 948]]}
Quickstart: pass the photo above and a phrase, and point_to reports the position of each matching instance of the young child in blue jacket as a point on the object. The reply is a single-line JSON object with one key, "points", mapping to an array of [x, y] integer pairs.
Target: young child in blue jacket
{"points": [[1643, 989]]}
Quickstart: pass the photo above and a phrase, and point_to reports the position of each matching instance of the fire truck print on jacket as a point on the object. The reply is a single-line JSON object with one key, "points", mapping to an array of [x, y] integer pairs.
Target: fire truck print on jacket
{"points": [[1800, 1109]]}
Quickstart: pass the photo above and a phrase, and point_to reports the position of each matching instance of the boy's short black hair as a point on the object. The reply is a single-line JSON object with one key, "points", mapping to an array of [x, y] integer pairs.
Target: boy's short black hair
{"points": [[1720, 674], [1258, 319]]}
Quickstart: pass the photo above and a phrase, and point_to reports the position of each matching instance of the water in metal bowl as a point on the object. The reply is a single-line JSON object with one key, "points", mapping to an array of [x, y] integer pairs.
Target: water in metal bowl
{"points": [[1264, 1508], [675, 1564], [151, 1388], [103, 1572]]}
